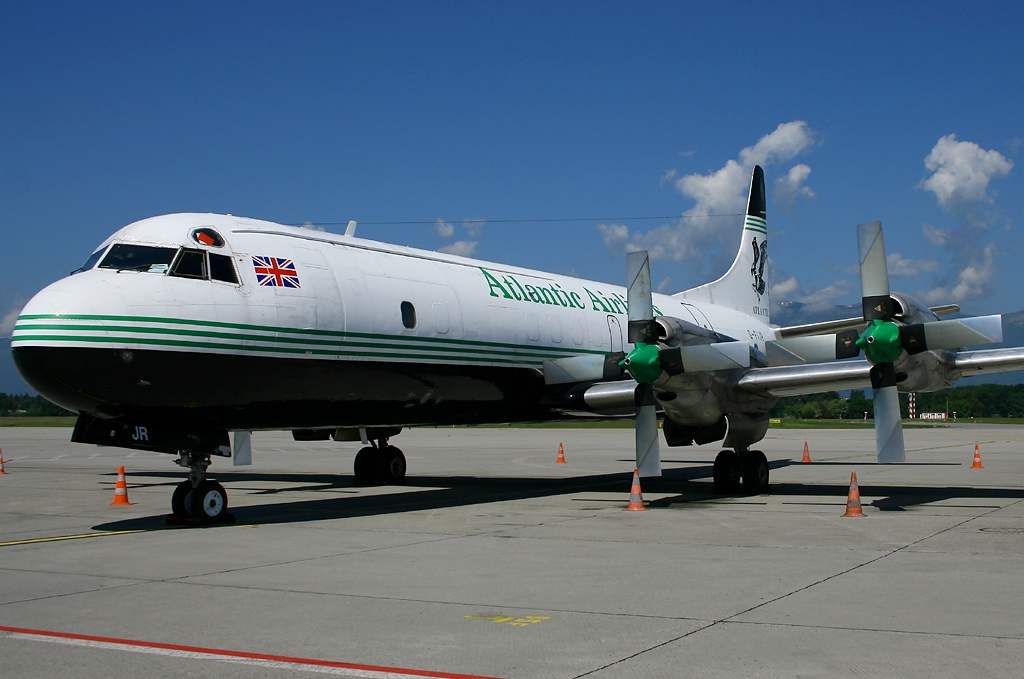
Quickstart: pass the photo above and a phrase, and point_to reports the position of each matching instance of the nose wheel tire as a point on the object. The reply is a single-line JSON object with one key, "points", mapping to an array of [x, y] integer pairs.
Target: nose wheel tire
{"points": [[364, 469], [178, 506], [392, 466], [208, 502]]}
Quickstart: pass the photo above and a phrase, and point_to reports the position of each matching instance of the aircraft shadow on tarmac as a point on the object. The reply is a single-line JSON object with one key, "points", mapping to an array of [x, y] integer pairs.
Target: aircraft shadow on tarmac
{"points": [[431, 492]]}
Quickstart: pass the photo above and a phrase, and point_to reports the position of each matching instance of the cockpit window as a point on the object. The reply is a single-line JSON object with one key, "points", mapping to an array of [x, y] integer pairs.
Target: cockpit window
{"points": [[91, 262], [147, 258], [190, 264], [221, 269]]}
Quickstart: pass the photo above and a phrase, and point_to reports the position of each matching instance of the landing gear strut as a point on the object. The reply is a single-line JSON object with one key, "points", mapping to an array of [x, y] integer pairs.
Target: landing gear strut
{"points": [[379, 463], [197, 498], [741, 470]]}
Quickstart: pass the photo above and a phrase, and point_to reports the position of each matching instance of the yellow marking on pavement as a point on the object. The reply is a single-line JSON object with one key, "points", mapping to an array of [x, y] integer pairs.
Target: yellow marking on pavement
{"points": [[524, 621], [62, 538]]}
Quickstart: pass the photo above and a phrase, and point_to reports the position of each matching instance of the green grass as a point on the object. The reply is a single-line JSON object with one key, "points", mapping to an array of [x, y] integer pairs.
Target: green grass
{"points": [[29, 421], [845, 424]]}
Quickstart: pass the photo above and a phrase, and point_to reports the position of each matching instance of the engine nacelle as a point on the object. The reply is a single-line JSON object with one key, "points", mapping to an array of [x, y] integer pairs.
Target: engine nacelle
{"points": [[676, 332], [909, 310]]}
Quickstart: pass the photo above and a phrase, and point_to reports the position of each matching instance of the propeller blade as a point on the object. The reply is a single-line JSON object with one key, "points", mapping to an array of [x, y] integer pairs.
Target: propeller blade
{"points": [[648, 454], [874, 273], [813, 348], [952, 334], [638, 293], [888, 421]]}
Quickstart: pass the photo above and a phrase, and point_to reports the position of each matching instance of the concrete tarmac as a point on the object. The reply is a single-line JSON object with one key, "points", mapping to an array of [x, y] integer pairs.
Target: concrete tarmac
{"points": [[493, 561]]}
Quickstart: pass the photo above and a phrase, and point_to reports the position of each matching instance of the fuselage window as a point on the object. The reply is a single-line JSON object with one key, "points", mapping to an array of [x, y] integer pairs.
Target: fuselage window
{"points": [[91, 262], [125, 257], [408, 315], [221, 269], [190, 264]]}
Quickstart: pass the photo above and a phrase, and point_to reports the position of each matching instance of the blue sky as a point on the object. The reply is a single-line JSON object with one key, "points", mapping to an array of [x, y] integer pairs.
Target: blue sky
{"points": [[458, 111]]}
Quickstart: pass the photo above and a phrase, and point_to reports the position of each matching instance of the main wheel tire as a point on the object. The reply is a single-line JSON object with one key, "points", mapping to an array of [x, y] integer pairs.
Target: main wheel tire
{"points": [[755, 473], [392, 466], [208, 502], [727, 472], [364, 468], [178, 505]]}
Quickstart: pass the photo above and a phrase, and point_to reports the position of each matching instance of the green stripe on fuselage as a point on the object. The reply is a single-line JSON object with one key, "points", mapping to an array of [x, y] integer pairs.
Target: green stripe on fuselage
{"points": [[281, 340], [277, 350], [304, 331]]}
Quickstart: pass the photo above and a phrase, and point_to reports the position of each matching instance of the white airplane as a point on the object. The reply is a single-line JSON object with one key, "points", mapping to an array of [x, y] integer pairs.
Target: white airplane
{"points": [[182, 328]]}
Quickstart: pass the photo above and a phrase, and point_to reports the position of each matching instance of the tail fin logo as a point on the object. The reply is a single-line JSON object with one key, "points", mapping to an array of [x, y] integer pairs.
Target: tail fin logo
{"points": [[757, 269]]}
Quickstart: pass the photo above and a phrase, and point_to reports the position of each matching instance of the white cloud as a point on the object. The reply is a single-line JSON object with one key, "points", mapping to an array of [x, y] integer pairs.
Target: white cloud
{"points": [[663, 284], [784, 142], [935, 235], [790, 186], [10, 318], [443, 228], [972, 281], [785, 287], [905, 267], [474, 226], [314, 227], [462, 248], [719, 196], [615, 236], [961, 171]]}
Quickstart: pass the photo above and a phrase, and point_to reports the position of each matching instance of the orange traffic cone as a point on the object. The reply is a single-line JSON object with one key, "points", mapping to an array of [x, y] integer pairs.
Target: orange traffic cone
{"points": [[636, 500], [2, 470], [976, 464], [853, 508], [561, 454], [807, 454], [120, 489]]}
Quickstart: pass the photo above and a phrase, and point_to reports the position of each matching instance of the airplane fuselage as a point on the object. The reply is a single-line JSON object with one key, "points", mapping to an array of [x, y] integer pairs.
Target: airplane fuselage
{"points": [[320, 330]]}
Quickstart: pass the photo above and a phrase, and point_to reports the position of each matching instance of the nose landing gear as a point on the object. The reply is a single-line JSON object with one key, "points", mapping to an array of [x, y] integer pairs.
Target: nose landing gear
{"points": [[379, 463], [198, 499]]}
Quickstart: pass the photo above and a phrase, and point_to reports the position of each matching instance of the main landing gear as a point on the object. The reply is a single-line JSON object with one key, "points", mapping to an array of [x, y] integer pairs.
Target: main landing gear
{"points": [[379, 463], [741, 470], [197, 498]]}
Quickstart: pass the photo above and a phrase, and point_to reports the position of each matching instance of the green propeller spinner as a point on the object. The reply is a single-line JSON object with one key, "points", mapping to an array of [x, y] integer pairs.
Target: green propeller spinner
{"points": [[880, 342], [643, 363]]}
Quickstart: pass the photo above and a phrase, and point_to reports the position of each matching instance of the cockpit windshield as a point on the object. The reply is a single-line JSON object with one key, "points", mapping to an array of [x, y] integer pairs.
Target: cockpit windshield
{"points": [[146, 258], [91, 262]]}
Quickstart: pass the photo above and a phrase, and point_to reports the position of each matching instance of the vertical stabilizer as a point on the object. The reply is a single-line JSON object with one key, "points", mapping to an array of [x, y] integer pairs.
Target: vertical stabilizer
{"points": [[744, 286]]}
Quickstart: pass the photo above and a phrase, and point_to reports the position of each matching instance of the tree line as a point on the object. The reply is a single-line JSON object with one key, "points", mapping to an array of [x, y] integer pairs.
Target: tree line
{"points": [[983, 400], [28, 406]]}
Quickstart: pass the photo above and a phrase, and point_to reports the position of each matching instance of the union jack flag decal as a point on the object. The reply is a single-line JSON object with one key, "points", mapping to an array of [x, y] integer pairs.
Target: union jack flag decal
{"points": [[274, 272]]}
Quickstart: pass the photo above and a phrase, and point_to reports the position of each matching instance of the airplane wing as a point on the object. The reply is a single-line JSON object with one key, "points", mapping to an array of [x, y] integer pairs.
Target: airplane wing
{"points": [[813, 378], [855, 322]]}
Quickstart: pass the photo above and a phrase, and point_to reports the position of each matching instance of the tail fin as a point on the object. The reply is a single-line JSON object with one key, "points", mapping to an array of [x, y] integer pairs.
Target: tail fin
{"points": [[744, 286]]}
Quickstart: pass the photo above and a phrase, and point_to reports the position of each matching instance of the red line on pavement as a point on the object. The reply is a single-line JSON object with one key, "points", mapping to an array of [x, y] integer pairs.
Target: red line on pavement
{"points": [[238, 654]]}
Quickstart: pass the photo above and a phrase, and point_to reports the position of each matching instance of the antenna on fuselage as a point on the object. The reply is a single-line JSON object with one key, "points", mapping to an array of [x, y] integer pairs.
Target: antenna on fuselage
{"points": [[350, 228]]}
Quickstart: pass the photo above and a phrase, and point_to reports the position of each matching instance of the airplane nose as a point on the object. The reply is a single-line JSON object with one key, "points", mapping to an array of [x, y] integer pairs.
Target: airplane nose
{"points": [[70, 376]]}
